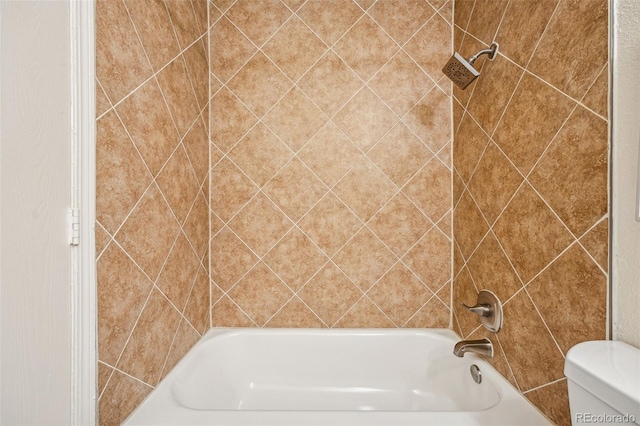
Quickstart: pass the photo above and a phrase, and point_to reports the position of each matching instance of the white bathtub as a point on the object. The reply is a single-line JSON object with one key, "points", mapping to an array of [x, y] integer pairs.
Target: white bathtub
{"points": [[332, 377]]}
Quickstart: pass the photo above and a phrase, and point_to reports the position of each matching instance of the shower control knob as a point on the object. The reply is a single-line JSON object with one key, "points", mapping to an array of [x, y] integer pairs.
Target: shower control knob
{"points": [[481, 310], [489, 309]]}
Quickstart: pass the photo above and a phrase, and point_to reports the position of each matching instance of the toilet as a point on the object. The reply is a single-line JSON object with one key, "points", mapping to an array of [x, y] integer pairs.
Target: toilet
{"points": [[604, 383]]}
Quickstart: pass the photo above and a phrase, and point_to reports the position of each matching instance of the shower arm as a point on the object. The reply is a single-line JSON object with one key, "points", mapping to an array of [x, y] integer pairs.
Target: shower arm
{"points": [[491, 51]]}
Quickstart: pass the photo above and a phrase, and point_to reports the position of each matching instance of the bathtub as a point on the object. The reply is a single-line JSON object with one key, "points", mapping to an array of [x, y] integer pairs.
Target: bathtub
{"points": [[332, 377]]}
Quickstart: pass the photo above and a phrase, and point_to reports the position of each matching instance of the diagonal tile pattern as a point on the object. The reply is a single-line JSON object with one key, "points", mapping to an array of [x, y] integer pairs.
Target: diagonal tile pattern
{"points": [[530, 184], [335, 162], [152, 193]]}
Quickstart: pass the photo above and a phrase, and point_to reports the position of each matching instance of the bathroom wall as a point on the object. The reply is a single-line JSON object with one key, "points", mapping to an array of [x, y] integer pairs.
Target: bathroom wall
{"points": [[330, 163], [530, 184], [152, 211]]}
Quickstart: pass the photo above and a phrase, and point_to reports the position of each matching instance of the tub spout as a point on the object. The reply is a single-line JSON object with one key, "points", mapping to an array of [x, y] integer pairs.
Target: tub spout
{"points": [[481, 347]]}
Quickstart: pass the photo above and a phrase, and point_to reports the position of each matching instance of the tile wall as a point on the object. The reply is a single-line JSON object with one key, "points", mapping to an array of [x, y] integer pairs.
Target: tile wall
{"points": [[531, 184], [330, 163], [152, 201]]}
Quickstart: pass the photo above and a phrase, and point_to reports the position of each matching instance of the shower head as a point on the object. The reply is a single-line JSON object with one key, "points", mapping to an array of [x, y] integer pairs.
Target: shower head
{"points": [[461, 71]]}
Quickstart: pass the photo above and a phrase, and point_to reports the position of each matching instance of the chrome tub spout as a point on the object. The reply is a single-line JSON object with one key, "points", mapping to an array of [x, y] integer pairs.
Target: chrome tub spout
{"points": [[480, 347]]}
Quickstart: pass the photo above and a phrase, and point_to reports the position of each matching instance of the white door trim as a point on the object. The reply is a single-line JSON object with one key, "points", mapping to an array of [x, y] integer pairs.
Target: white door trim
{"points": [[83, 194]]}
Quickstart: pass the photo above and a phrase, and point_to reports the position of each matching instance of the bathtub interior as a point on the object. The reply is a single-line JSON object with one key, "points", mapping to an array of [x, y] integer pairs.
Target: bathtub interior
{"points": [[346, 370]]}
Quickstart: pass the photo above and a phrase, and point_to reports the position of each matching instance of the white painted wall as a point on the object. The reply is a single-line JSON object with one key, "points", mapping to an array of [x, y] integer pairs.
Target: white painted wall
{"points": [[626, 140], [35, 190]]}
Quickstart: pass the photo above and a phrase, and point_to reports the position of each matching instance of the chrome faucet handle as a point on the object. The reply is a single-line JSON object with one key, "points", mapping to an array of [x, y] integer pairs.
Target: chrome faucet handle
{"points": [[483, 310], [489, 309]]}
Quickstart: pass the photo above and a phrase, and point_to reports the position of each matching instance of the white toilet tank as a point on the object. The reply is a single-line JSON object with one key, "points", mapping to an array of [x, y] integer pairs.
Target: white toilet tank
{"points": [[604, 383]]}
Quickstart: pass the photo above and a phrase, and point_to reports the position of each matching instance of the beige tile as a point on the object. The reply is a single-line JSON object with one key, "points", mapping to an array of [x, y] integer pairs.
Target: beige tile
{"points": [[522, 26], [485, 19], [104, 374], [230, 49], [147, 349], [430, 259], [458, 188], [531, 352], [365, 200], [294, 5], [531, 121], [197, 65], [470, 225], [401, 19], [230, 189], [401, 84], [431, 46], [330, 19], [530, 234], [260, 294], [574, 47], [365, 119], [202, 16], [102, 102], [434, 314], [260, 224], [330, 83], [185, 338], [122, 395], [197, 309], [596, 242], [553, 401], [399, 224], [445, 224], [223, 5], [491, 270], [294, 48], [364, 259], [260, 154], [330, 224], [330, 294], [295, 314], [179, 272], [295, 189], [365, 314], [122, 291], [464, 291], [597, 98], [230, 259], [225, 313], [196, 143], [400, 154], [139, 235], [153, 25], [494, 182], [492, 92], [574, 311], [121, 176], [258, 20], [295, 259], [427, 117], [185, 22], [149, 123], [366, 47], [469, 143], [102, 239], [121, 63], [462, 12], [330, 154], [230, 120], [259, 84], [572, 175], [295, 119], [430, 189], [178, 91], [179, 184], [399, 294]]}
